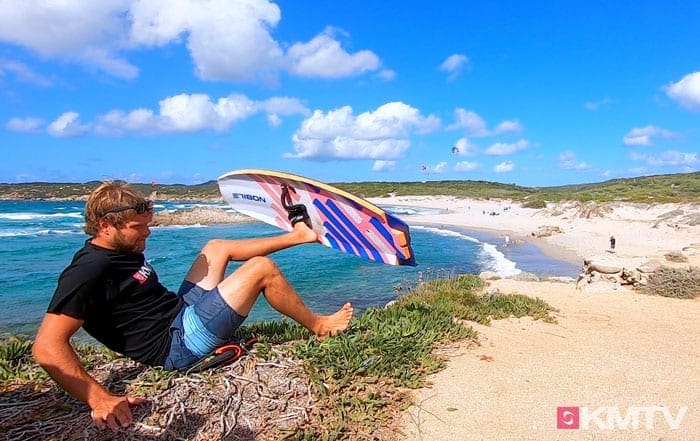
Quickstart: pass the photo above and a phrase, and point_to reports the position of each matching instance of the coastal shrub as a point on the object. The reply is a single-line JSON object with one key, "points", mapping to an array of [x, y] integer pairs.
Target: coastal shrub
{"points": [[680, 283], [15, 357], [535, 203], [517, 305], [360, 375], [680, 187], [458, 297], [676, 257]]}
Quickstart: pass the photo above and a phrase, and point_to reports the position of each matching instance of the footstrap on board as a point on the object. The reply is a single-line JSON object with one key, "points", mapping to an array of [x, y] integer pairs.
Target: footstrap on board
{"points": [[295, 212]]}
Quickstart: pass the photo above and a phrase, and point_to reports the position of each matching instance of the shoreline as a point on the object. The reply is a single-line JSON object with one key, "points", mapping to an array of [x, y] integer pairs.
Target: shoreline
{"points": [[572, 231], [517, 238], [528, 256]]}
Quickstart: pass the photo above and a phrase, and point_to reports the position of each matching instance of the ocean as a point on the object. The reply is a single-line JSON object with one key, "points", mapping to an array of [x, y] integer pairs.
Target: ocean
{"points": [[39, 238]]}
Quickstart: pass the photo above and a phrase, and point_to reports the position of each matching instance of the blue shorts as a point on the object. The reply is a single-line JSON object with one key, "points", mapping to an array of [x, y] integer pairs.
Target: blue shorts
{"points": [[203, 324]]}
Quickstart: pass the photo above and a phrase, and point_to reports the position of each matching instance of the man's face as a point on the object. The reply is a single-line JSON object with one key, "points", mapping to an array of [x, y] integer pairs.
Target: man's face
{"points": [[131, 237]]}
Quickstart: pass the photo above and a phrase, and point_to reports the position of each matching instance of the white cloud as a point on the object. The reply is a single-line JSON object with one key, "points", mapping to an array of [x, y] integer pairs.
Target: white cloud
{"points": [[465, 166], [323, 57], [386, 74], [116, 122], [503, 167], [686, 91], [502, 148], [381, 134], [191, 113], [437, 168], [470, 121], [508, 127], [24, 125], [285, 106], [274, 120], [23, 73], [86, 32], [67, 125], [642, 136], [474, 125], [671, 158], [595, 105], [465, 148], [567, 160], [380, 165], [453, 65], [228, 40]]}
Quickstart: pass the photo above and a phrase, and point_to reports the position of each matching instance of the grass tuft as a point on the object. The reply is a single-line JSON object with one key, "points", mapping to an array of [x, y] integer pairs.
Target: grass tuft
{"points": [[535, 203], [15, 355], [680, 283], [676, 256]]}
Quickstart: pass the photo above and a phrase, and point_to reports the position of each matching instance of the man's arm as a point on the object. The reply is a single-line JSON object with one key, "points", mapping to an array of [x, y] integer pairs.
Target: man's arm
{"points": [[53, 351]]}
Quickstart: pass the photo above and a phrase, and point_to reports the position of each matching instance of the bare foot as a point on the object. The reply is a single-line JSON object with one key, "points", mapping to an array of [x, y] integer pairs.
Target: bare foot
{"points": [[304, 233], [335, 323]]}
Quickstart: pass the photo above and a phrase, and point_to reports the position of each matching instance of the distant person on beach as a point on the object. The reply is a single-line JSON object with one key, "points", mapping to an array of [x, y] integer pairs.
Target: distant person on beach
{"points": [[612, 244], [110, 290], [506, 241]]}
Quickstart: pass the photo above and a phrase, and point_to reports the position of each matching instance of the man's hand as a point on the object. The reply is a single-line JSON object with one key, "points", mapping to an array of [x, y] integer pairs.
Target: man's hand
{"points": [[53, 351], [114, 411]]}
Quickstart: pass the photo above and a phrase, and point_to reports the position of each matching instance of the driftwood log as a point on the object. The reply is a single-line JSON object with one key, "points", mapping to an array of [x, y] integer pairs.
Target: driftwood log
{"points": [[619, 273]]}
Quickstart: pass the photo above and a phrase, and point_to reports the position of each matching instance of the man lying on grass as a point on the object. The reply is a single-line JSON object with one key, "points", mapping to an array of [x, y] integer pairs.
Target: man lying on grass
{"points": [[111, 291]]}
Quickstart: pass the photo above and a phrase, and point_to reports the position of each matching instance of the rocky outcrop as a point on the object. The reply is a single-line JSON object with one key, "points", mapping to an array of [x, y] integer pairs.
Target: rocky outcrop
{"points": [[616, 271], [197, 216], [546, 231]]}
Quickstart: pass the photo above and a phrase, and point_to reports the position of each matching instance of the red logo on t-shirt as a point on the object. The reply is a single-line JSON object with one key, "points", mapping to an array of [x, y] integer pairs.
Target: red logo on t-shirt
{"points": [[142, 274]]}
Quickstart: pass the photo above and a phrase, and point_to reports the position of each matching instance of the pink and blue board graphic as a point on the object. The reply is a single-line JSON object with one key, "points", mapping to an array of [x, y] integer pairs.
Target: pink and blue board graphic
{"points": [[342, 220]]}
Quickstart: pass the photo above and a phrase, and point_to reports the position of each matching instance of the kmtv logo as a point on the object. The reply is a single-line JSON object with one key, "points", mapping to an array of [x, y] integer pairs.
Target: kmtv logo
{"points": [[568, 417], [610, 418]]}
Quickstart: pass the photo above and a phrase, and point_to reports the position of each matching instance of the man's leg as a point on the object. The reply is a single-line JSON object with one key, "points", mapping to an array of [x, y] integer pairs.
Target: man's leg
{"points": [[209, 268], [259, 275]]}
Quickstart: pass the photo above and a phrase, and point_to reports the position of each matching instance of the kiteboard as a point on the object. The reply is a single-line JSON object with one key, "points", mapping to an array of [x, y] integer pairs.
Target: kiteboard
{"points": [[341, 220]]}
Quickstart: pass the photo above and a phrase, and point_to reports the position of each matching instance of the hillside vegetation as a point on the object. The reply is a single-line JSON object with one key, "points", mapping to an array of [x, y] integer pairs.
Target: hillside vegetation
{"points": [[682, 188]]}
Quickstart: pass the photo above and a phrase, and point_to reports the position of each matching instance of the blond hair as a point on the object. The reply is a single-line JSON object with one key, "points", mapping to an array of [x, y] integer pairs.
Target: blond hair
{"points": [[108, 196]]}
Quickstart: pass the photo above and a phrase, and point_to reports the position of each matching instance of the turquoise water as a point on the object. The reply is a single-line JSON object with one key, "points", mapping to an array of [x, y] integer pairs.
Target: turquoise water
{"points": [[38, 239]]}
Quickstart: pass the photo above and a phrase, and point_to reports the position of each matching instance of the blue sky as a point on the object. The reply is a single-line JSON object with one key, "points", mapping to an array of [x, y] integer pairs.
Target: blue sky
{"points": [[535, 93]]}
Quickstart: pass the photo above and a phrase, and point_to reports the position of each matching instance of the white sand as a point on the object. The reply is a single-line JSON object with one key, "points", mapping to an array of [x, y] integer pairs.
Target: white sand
{"points": [[640, 230], [617, 349]]}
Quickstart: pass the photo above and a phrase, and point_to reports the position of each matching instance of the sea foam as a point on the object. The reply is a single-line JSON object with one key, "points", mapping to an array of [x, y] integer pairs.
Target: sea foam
{"points": [[38, 216], [490, 258]]}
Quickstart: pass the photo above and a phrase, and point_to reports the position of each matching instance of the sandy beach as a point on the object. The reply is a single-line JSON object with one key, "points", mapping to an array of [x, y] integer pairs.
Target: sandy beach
{"points": [[641, 231], [627, 363]]}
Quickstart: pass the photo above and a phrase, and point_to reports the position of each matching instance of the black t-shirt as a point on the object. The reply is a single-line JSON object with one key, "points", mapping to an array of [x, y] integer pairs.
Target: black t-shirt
{"points": [[121, 301]]}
